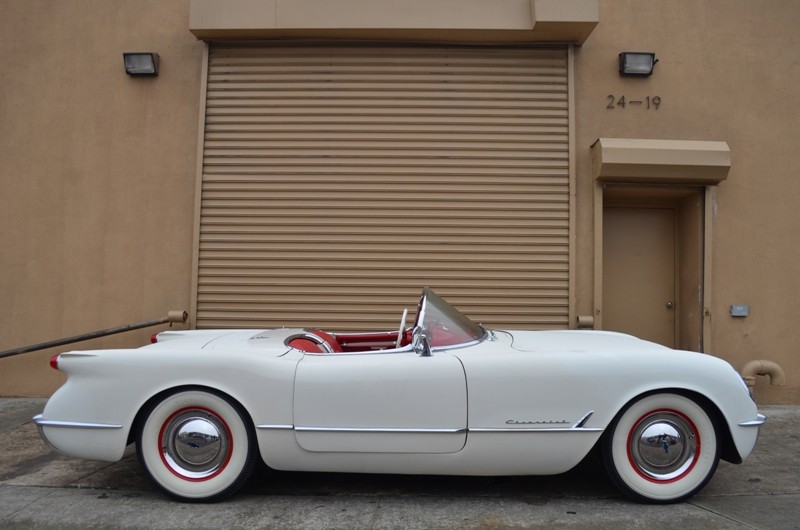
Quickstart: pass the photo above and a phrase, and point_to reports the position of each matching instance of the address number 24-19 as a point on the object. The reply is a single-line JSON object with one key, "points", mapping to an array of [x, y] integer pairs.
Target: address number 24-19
{"points": [[650, 102]]}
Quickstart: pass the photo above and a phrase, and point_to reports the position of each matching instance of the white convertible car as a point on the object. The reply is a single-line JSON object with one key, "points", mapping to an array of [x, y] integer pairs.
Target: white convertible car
{"points": [[442, 396]]}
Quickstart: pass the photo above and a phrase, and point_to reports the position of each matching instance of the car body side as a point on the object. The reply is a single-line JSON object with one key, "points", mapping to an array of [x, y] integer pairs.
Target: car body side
{"points": [[533, 405]]}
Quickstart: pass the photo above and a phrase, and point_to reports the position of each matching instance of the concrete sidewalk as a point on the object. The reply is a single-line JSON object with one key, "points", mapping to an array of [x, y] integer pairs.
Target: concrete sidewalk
{"points": [[40, 489]]}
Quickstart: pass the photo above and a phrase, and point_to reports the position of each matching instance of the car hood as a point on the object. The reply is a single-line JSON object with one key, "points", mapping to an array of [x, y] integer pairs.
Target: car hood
{"points": [[579, 341]]}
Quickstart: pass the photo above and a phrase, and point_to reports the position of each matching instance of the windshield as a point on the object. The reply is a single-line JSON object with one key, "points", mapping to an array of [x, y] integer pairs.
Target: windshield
{"points": [[446, 326]]}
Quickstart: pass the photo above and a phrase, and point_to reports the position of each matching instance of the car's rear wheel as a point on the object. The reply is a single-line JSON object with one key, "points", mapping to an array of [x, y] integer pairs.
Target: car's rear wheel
{"points": [[662, 448], [197, 445]]}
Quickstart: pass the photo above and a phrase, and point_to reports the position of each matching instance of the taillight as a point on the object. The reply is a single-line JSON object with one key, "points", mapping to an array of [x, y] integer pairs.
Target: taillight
{"points": [[154, 338], [54, 361]]}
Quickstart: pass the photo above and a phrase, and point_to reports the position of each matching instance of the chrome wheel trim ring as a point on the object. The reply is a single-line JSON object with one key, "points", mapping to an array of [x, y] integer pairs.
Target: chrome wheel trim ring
{"points": [[196, 444], [663, 446]]}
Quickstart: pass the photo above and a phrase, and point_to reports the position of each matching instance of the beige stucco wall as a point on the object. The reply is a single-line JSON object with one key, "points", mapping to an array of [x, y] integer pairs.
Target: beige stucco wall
{"points": [[727, 71], [97, 174], [98, 169]]}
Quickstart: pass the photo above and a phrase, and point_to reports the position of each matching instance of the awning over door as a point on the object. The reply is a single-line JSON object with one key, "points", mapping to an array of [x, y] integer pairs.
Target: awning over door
{"points": [[684, 162], [338, 181]]}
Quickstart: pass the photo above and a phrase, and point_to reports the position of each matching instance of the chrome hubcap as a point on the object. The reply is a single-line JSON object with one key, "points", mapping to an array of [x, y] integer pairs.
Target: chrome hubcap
{"points": [[195, 444], [663, 446]]}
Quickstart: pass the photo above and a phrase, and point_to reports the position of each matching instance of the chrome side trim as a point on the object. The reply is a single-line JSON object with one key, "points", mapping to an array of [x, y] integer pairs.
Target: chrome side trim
{"points": [[578, 426], [530, 430], [379, 430], [41, 422], [581, 422], [275, 427], [758, 422]]}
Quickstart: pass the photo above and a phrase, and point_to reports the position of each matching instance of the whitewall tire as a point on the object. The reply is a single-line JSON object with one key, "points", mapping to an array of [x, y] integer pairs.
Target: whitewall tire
{"points": [[662, 448], [196, 445]]}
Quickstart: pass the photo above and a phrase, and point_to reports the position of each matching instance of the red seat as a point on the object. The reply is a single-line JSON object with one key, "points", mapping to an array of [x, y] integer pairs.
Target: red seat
{"points": [[327, 338], [306, 345], [316, 341]]}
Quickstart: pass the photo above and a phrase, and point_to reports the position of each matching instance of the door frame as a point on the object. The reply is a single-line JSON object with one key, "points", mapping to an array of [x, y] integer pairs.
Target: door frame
{"points": [[693, 209]]}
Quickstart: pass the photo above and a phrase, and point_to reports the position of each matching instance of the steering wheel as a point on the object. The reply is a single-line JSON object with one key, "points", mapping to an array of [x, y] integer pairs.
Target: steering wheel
{"points": [[402, 328]]}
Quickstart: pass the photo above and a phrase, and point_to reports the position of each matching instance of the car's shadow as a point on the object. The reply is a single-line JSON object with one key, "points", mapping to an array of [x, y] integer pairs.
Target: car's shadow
{"points": [[587, 480]]}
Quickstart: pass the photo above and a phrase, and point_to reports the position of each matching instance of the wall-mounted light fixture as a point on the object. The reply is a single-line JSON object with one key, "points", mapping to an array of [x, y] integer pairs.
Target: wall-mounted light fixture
{"points": [[637, 64], [141, 63]]}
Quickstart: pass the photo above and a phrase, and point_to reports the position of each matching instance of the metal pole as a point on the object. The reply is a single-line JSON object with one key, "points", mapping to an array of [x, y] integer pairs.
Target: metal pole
{"points": [[172, 316]]}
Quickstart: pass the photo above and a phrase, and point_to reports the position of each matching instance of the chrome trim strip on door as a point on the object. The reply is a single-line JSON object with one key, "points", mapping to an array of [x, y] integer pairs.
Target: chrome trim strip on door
{"points": [[275, 427], [379, 430]]}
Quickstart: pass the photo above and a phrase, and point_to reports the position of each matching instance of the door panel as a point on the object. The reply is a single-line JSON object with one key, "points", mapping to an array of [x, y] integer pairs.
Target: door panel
{"points": [[381, 403], [639, 272]]}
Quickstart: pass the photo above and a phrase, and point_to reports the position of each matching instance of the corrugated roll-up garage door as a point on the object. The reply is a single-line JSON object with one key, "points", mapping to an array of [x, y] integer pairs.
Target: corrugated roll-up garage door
{"points": [[338, 181]]}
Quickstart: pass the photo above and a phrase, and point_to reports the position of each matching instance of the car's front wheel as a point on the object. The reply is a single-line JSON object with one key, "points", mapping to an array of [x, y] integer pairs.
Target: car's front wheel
{"points": [[662, 448], [196, 445]]}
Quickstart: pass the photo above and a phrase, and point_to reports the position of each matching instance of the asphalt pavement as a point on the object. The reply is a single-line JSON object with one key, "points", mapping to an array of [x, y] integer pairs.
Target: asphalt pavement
{"points": [[41, 489]]}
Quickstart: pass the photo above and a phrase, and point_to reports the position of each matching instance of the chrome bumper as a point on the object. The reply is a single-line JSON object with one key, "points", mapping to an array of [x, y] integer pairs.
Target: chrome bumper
{"points": [[41, 422], [758, 422]]}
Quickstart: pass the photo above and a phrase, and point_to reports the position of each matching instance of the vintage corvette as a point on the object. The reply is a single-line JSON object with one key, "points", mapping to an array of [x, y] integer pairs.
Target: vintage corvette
{"points": [[440, 396]]}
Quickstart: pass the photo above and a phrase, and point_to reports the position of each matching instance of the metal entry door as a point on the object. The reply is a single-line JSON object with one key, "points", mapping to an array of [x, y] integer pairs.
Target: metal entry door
{"points": [[639, 272]]}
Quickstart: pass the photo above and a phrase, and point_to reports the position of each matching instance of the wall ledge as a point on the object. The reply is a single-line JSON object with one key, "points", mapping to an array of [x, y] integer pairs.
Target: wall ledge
{"points": [[469, 21]]}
